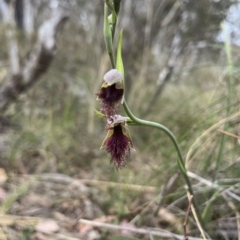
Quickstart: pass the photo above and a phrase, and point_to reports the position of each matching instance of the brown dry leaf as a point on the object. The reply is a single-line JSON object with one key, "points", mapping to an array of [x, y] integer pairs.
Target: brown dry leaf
{"points": [[47, 227], [3, 176]]}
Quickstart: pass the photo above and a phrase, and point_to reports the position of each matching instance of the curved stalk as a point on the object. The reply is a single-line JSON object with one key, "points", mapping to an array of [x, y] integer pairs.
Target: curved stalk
{"points": [[180, 160]]}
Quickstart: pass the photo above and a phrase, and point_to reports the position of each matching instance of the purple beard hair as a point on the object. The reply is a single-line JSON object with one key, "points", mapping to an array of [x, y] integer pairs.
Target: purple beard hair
{"points": [[118, 145], [111, 99]]}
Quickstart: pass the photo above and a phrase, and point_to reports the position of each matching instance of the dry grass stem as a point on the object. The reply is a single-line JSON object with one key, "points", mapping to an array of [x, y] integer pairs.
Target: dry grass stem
{"points": [[186, 218], [196, 218], [212, 131], [9, 220], [229, 134], [64, 179], [160, 232], [214, 185]]}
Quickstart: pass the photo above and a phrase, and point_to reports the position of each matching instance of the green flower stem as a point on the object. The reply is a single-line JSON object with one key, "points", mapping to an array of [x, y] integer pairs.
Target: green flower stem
{"points": [[114, 17], [112, 59], [180, 160], [108, 35], [141, 122], [113, 30]]}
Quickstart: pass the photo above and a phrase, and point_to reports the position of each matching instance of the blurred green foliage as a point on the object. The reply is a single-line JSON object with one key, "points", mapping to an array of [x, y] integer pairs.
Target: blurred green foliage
{"points": [[54, 128]]}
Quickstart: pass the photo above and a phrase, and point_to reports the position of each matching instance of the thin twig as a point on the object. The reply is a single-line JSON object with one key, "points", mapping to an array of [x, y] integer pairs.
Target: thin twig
{"points": [[159, 232], [171, 14], [237, 161], [215, 185], [229, 134], [160, 198], [196, 218], [166, 187], [128, 186], [235, 209], [64, 179], [186, 218], [212, 130], [140, 210]]}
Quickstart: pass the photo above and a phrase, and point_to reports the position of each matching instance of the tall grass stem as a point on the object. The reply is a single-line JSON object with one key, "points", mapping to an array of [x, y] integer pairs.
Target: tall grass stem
{"points": [[227, 45]]}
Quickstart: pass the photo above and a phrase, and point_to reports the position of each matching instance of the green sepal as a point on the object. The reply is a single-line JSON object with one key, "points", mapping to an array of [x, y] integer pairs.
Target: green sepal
{"points": [[119, 63], [99, 114], [109, 134]]}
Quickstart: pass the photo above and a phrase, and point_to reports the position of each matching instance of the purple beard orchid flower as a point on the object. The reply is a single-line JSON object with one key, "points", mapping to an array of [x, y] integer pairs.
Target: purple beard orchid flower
{"points": [[111, 92], [118, 141]]}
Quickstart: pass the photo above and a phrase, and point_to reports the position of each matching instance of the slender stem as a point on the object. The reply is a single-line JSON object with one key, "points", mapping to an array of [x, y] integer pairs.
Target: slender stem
{"points": [[180, 160], [114, 16], [108, 35], [113, 30], [112, 59]]}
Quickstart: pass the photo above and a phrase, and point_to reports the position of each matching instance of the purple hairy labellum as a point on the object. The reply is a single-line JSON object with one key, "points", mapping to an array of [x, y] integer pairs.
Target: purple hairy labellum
{"points": [[118, 142], [111, 92]]}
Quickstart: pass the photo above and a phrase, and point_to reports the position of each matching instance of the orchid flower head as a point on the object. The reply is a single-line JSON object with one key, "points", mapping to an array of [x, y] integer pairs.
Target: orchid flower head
{"points": [[111, 92], [118, 142]]}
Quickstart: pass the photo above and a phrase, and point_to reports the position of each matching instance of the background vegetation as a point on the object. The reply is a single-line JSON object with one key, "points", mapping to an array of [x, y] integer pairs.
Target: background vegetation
{"points": [[182, 70]]}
